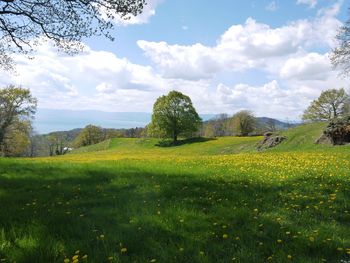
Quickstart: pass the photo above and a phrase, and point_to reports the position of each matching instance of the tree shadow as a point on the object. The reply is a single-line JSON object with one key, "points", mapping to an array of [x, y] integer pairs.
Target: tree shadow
{"points": [[170, 143], [50, 211]]}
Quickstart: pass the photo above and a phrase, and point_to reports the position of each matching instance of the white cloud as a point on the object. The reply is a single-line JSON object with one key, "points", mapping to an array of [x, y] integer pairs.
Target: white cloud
{"points": [[272, 6], [85, 80], [312, 66], [310, 3], [186, 62], [242, 47]]}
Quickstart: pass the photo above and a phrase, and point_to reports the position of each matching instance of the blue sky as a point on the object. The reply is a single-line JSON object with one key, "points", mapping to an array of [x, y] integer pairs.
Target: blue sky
{"points": [[271, 57]]}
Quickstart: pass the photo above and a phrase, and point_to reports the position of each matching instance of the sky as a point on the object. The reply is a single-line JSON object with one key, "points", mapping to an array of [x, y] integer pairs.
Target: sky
{"points": [[270, 57]]}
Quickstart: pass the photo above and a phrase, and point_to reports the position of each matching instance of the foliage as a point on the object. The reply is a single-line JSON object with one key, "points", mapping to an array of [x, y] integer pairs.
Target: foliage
{"points": [[174, 115], [331, 104], [340, 56], [16, 139], [16, 104], [243, 123], [136, 202], [90, 135], [217, 126], [23, 24]]}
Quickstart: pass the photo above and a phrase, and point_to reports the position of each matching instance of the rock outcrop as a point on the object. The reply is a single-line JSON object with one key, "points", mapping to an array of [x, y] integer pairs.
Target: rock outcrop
{"points": [[336, 133], [270, 141]]}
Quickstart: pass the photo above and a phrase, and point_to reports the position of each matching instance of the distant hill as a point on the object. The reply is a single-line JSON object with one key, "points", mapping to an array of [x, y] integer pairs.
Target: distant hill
{"points": [[279, 124]]}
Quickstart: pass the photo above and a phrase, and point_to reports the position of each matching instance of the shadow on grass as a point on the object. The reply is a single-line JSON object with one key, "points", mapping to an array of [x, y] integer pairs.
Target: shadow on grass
{"points": [[170, 143], [50, 211]]}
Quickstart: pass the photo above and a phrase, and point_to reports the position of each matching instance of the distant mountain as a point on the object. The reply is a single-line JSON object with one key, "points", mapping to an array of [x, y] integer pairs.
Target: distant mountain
{"points": [[278, 124], [50, 120]]}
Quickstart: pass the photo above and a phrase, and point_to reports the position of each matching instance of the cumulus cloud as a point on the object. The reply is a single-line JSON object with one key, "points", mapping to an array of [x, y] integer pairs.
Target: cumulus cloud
{"points": [[81, 81], [242, 47], [312, 66]]}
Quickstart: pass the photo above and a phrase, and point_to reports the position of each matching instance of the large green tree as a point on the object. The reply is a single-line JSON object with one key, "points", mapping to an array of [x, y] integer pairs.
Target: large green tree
{"points": [[340, 56], [174, 115], [16, 104], [23, 23], [17, 138], [243, 122], [331, 104]]}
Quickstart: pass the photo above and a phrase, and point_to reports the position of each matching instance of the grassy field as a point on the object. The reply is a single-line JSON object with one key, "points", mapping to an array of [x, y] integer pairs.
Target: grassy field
{"points": [[128, 200]]}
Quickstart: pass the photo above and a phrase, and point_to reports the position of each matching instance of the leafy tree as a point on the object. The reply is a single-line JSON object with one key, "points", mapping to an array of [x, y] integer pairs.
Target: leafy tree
{"points": [[340, 56], [174, 115], [90, 135], [331, 104], [16, 139], [16, 104], [66, 23], [243, 122], [209, 130]]}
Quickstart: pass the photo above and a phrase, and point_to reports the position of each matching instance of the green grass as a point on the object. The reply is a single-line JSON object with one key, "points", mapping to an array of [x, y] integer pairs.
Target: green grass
{"points": [[198, 202]]}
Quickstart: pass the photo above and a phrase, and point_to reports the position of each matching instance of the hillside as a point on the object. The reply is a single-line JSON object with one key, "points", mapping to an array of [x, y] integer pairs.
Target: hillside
{"points": [[299, 138], [129, 200]]}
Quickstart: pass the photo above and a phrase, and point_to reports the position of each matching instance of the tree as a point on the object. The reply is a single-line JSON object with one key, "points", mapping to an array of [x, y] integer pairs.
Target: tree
{"points": [[174, 115], [16, 139], [340, 56], [243, 122], [90, 135], [330, 105], [271, 125], [24, 23], [16, 104]]}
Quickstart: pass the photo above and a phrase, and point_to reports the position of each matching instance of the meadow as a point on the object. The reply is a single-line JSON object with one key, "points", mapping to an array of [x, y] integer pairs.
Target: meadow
{"points": [[214, 200]]}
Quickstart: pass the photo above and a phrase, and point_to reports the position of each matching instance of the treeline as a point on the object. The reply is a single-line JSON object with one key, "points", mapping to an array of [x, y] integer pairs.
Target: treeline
{"points": [[61, 142], [243, 123]]}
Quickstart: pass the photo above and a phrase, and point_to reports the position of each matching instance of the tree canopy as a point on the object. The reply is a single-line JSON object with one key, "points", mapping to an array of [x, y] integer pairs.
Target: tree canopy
{"points": [[91, 134], [331, 104], [243, 122], [340, 56], [174, 115], [24, 22], [16, 104]]}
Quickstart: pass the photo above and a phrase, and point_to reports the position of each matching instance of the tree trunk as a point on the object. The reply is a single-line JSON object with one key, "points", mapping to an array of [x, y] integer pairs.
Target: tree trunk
{"points": [[175, 138]]}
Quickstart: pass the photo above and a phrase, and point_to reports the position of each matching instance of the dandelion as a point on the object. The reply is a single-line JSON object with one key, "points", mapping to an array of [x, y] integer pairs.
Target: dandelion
{"points": [[289, 257], [123, 250], [225, 236]]}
